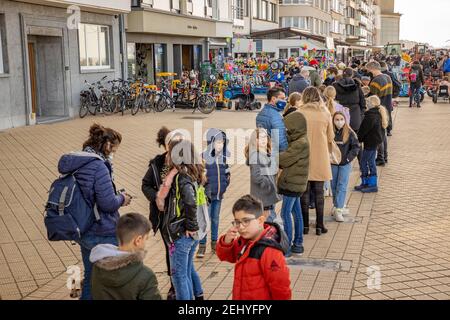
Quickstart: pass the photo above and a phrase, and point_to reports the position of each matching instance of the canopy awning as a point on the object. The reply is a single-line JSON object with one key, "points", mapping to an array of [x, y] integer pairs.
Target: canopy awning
{"points": [[287, 33]]}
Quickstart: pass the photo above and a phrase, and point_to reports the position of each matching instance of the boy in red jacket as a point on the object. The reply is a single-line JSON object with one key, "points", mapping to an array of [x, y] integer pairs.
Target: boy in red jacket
{"points": [[258, 249]]}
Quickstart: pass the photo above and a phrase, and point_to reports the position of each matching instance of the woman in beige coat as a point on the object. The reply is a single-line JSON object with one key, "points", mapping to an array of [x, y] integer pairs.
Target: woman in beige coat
{"points": [[320, 135]]}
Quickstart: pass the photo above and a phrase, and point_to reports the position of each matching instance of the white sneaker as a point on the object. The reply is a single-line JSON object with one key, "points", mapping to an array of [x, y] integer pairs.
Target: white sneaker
{"points": [[346, 212], [333, 211], [338, 216]]}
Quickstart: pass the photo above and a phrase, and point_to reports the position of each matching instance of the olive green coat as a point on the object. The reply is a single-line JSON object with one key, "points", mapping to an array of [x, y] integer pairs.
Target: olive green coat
{"points": [[294, 162]]}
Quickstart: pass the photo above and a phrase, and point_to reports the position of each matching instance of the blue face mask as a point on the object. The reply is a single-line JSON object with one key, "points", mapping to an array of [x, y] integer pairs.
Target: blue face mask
{"points": [[281, 104]]}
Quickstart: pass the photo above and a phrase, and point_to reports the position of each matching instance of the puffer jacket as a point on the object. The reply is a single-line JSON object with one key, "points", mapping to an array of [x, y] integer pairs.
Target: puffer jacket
{"points": [[217, 170], [294, 162], [260, 272], [270, 118], [350, 95], [349, 149], [150, 187], [371, 132], [174, 227], [298, 84], [94, 176], [119, 275], [263, 171]]}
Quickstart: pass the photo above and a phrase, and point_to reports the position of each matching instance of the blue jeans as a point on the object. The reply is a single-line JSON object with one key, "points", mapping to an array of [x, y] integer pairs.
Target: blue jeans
{"points": [[272, 216], [291, 208], [415, 94], [87, 243], [368, 163], [184, 277], [214, 212], [339, 184]]}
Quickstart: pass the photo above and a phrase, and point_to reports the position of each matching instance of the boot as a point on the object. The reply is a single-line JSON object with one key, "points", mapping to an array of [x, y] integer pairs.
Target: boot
{"points": [[201, 251], [171, 294], [372, 185], [305, 215], [320, 227], [362, 185], [213, 246]]}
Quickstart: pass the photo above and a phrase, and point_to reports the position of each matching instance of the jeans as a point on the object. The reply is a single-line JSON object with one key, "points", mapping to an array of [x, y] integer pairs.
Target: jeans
{"points": [[368, 163], [272, 215], [415, 95], [339, 184], [382, 152], [87, 243], [214, 211], [184, 277], [291, 208]]}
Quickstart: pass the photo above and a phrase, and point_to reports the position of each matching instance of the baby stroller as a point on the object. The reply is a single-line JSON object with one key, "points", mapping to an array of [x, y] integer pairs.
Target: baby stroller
{"points": [[441, 93]]}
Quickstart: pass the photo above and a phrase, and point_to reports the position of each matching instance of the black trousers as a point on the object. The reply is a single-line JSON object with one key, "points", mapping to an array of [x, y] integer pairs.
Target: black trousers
{"points": [[316, 187]]}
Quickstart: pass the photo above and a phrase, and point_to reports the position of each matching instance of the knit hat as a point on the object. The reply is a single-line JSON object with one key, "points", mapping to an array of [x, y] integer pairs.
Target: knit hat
{"points": [[365, 78]]}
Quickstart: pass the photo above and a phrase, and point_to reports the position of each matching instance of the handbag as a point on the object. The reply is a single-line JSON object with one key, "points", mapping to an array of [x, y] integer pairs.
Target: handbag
{"points": [[335, 153]]}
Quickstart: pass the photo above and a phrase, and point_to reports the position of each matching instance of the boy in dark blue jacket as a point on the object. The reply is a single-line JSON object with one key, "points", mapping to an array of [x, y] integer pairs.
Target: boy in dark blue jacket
{"points": [[218, 180]]}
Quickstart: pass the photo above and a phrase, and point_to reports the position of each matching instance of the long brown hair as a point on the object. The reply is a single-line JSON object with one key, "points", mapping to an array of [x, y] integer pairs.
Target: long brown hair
{"points": [[99, 137], [310, 95], [346, 130], [183, 156], [253, 143], [330, 95]]}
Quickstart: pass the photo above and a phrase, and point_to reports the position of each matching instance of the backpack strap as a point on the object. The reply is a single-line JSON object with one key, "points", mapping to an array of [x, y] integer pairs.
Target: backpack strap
{"points": [[62, 201]]}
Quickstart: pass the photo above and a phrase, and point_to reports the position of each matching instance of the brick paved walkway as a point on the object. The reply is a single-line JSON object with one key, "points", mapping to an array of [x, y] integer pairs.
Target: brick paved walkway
{"points": [[401, 230]]}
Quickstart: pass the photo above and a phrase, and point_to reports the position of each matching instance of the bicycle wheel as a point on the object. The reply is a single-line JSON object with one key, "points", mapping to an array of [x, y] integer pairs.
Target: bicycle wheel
{"points": [[206, 104], [93, 108], [160, 102], [108, 106], [149, 103], [137, 105], [84, 107]]}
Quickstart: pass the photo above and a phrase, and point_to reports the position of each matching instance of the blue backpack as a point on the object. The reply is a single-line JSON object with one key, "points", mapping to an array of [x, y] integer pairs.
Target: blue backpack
{"points": [[67, 213]]}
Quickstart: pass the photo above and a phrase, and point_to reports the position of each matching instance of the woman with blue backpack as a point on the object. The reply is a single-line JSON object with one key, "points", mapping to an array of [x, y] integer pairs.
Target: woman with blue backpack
{"points": [[93, 172]]}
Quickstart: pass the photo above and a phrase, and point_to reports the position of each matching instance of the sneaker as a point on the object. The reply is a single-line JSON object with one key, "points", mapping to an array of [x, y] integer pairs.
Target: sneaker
{"points": [[346, 212], [201, 251], [333, 211], [297, 249], [288, 254], [339, 217], [213, 246]]}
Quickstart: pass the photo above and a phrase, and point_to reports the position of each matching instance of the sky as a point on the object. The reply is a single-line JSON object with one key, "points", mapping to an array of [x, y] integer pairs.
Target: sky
{"points": [[425, 21]]}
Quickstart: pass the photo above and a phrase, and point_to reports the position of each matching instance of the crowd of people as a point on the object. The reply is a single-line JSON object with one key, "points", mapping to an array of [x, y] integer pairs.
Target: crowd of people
{"points": [[305, 141]]}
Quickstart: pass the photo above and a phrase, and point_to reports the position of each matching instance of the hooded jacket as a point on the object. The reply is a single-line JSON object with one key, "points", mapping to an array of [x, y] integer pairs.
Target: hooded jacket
{"points": [[371, 132], [94, 176], [260, 272], [150, 187], [350, 95], [270, 118], [217, 170], [298, 84], [263, 171], [420, 79], [349, 149], [294, 162], [119, 275]]}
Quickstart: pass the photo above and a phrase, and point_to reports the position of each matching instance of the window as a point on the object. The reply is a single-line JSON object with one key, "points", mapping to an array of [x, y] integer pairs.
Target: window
{"points": [[160, 57], [3, 51], [264, 10], [239, 13], [273, 18], [94, 45]]}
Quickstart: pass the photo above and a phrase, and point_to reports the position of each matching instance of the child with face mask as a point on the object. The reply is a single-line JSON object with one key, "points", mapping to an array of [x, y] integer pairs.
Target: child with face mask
{"points": [[349, 146]]}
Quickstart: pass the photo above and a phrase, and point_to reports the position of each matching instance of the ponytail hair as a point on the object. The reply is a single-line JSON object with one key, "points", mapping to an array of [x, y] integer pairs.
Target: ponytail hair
{"points": [[330, 95], [99, 137]]}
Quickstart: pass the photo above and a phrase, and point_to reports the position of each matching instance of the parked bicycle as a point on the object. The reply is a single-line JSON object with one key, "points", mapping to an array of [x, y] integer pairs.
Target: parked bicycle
{"points": [[93, 103]]}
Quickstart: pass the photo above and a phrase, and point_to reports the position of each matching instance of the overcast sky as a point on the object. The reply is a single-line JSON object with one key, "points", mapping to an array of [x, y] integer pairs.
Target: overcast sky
{"points": [[425, 21]]}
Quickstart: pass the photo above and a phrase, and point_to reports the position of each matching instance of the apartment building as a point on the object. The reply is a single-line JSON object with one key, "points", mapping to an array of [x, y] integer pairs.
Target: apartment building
{"points": [[48, 48], [360, 22], [389, 30], [176, 35], [254, 15]]}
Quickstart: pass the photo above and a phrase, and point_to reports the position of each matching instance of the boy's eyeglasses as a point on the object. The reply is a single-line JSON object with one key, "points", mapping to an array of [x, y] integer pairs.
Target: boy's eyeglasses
{"points": [[244, 222]]}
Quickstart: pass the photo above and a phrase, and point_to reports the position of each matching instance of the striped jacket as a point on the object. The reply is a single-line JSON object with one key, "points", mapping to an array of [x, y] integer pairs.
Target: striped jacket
{"points": [[382, 87]]}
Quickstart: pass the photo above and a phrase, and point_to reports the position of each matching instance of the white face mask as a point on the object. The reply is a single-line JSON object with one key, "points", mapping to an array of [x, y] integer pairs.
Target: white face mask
{"points": [[339, 124]]}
